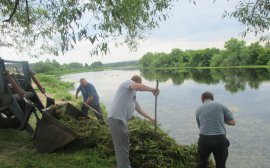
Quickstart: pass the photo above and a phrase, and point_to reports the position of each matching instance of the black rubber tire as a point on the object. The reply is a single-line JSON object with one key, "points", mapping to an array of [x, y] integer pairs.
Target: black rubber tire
{"points": [[9, 122]]}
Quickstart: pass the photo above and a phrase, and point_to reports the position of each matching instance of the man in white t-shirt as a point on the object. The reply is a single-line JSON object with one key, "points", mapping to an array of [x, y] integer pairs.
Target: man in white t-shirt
{"points": [[121, 111]]}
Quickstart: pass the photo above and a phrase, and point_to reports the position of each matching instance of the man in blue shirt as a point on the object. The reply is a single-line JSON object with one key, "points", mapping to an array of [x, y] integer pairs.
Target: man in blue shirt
{"points": [[211, 118], [90, 98]]}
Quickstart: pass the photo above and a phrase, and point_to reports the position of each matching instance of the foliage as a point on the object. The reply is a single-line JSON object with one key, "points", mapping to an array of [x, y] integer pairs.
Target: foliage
{"points": [[53, 67], [54, 85], [75, 65], [235, 53], [96, 65], [158, 150], [147, 59], [234, 45], [50, 26], [216, 60], [124, 64], [201, 58], [254, 15]]}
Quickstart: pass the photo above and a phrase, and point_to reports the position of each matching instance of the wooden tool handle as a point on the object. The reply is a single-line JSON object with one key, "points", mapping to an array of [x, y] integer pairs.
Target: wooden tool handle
{"points": [[94, 110], [156, 108]]}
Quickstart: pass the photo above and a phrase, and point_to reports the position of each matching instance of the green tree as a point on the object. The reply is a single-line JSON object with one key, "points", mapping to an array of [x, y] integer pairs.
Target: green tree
{"points": [[268, 63], [43, 67], [75, 65], [86, 66], [202, 58], [147, 59], [264, 57], [97, 64], [57, 25], [234, 45], [176, 58], [162, 60], [55, 64], [216, 60], [253, 53], [234, 52]]}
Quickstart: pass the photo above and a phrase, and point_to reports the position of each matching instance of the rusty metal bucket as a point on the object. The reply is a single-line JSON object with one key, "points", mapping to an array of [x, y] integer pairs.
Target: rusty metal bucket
{"points": [[50, 133]]}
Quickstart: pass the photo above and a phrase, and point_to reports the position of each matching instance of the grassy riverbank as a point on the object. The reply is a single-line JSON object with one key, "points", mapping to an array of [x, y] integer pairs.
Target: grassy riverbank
{"points": [[147, 149]]}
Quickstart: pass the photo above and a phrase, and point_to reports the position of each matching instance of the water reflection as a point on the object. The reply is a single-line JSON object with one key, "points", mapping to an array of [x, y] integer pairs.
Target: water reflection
{"points": [[233, 79]]}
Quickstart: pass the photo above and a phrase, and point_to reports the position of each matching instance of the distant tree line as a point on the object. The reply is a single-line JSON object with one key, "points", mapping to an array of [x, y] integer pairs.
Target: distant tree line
{"points": [[235, 53], [122, 64], [53, 66]]}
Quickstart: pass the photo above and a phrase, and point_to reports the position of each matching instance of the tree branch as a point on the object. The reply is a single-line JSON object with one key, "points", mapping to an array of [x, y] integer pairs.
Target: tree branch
{"points": [[27, 13], [9, 2], [117, 14], [13, 12]]}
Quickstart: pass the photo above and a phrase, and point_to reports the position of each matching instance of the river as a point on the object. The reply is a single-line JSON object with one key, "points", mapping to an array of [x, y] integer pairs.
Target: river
{"points": [[245, 92]]}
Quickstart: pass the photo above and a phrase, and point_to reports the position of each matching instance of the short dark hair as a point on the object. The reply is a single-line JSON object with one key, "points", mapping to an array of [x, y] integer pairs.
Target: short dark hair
{"points": [[82, 79], [137, 79], [207, 95]]}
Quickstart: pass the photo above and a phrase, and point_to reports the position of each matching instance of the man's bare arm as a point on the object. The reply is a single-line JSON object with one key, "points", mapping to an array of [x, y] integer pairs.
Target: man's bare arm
{"points": [[77, 92], [140, 111], [89, 100], [142, 87]]}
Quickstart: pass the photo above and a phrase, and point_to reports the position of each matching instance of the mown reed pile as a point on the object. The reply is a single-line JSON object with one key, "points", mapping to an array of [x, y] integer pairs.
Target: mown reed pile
{"points": [[147, 149]]}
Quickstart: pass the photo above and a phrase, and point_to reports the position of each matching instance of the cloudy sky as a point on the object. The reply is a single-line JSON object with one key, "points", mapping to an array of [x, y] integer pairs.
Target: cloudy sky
{"points": [[189, 27]]}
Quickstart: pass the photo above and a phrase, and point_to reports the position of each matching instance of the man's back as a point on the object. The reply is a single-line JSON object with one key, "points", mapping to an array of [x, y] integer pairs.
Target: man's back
{"points": [[123, 104], [211, 117]]}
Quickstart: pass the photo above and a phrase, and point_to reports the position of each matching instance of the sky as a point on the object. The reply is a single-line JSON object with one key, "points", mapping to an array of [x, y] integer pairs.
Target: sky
{"points": [[188, 27]]}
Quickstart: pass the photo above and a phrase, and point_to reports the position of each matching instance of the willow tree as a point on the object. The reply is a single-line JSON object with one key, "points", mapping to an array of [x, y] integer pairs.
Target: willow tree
{"points": [[254, 14], [57, 25]]}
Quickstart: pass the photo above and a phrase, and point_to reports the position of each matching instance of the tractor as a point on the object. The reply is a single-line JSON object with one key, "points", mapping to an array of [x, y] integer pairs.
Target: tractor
{"points": [[19, 102]]}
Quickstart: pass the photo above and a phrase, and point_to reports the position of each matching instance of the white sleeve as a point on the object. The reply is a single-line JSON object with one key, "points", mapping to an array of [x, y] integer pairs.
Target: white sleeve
{"points": [[128, 83]]}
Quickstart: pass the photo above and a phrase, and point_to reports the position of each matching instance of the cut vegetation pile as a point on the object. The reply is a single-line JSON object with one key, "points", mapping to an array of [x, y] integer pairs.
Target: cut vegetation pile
{"points": [[147, 149], [94, 147], [158, 150]]}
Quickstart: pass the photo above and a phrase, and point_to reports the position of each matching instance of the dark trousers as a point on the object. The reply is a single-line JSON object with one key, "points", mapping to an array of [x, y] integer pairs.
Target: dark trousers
{"points": [[216, 144], [97, 108]]}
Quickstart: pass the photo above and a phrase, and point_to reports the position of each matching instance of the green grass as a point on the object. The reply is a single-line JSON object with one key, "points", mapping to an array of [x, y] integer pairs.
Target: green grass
{"points": [[55, 86], [16, 151]]}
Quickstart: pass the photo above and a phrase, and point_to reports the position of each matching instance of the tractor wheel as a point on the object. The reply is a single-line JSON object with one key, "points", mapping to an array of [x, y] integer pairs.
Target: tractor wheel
{"points": [[8, 121]]}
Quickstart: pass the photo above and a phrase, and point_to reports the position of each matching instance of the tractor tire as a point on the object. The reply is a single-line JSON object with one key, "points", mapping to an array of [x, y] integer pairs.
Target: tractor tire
{"points": [[9, 122]]}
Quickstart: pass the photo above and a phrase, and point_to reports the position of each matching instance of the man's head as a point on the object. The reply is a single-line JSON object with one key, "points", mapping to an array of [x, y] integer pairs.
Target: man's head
{"points": [[83, 82], [207, 96], [137, 79]]}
